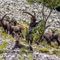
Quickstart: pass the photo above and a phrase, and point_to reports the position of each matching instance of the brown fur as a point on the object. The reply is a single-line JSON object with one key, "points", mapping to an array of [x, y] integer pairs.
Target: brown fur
{"points": [[51, 37]]}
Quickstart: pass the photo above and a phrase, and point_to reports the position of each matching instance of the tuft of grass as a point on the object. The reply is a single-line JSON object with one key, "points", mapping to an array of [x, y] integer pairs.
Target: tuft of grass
{"points": [[3, 45], [44, 50], [24, 50], [56, 52], [1, 51], [30, 56]]}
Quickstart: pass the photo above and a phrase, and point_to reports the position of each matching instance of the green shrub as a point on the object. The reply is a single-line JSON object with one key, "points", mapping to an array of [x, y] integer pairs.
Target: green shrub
{"points": [[3, 45], [38, 31], [44, 50]]}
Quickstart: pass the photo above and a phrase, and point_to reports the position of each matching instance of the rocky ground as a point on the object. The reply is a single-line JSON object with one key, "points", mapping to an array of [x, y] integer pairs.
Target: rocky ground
{"points": [[43, 56], [42, 52], [15, 8]]}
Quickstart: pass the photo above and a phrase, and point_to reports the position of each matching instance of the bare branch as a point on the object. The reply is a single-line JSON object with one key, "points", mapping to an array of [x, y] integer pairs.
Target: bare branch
{"points": [[43, 11], [49, 14]]}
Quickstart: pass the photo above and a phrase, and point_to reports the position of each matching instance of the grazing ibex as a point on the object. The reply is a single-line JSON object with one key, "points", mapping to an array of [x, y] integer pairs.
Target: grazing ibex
{"points": [[17, 29], [51, 37], [12, 28]]}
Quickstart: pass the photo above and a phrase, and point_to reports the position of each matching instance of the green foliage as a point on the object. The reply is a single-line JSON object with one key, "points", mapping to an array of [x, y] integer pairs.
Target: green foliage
{"points": [[44, 50], [3, 45], [50, 3], [31, 1], [38, 31], [1, 51], [56, 51]]}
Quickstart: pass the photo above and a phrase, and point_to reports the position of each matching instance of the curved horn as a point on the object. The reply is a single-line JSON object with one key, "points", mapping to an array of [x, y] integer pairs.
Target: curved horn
{"points": [[3, 17], [29, 14]]}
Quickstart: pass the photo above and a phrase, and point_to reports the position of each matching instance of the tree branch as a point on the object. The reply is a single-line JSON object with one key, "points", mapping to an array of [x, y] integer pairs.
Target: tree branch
{"points": [[49, 14], [43, 12]]}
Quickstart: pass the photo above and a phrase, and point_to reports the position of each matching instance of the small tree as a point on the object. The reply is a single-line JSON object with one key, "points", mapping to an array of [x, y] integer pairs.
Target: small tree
{"points": [[51, 4]]}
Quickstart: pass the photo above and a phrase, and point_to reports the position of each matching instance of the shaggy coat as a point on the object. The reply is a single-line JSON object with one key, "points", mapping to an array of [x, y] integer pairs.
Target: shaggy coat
{"points": [[51, 37]]}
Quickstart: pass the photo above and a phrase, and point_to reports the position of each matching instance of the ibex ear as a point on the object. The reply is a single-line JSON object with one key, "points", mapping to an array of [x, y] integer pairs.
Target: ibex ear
{"points": [[34, 13]]}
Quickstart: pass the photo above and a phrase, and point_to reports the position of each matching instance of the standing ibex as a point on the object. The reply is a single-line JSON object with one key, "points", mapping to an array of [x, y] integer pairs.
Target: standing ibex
{"points": [[33, 24]]}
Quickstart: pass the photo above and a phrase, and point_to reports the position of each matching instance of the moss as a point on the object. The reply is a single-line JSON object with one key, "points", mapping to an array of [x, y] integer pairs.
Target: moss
{"points": [[50, 49], [3, 45], [1, 51], [44, 50], [30, 56], [56, 51], [24, 50]]}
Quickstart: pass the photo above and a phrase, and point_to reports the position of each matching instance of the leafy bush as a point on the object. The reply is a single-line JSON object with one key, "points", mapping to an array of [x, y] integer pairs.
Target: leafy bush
{"points": [[44, 50], [38, 31], [49, 3]]}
